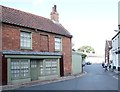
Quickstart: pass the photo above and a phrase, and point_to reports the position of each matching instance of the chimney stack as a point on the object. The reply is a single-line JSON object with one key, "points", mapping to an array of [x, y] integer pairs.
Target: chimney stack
{"points": [[54, 14]]}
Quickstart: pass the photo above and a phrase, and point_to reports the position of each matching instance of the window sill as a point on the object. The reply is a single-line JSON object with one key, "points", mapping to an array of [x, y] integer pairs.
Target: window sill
{"points": [[58, 50], [25, 48]]}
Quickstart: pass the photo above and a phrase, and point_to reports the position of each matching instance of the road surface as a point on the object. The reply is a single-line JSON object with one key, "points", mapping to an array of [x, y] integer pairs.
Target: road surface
{"points": [[94, 79]]}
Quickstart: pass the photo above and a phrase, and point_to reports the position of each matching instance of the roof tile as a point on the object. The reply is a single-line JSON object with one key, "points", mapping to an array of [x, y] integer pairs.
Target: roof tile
{"points": [[20, 18]]}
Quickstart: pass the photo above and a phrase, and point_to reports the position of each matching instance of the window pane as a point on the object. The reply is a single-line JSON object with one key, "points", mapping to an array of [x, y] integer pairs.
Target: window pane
{"points": [[54, 64], [48, 71], [58, 44], [57, 39], [19, 68], [48, 64], [25, 39], [15, 69], [28, 44], [54, 70]]}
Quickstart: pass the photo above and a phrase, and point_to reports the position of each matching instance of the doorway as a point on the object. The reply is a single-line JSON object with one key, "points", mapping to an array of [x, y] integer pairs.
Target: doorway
{"points": [[34, 70]]}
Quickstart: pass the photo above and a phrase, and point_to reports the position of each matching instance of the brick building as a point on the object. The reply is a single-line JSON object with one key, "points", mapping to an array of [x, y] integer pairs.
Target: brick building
{"points": [[108, 47], [33, 47]]}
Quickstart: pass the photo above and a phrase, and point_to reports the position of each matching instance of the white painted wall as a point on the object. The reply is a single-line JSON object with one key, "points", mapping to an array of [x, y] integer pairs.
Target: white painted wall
{"points": [[110, 55], [115, 44]]}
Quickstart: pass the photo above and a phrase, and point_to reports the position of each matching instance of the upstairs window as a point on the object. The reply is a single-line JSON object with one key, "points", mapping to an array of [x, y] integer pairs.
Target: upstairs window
{"points": [[25, 40], [58, 44]]}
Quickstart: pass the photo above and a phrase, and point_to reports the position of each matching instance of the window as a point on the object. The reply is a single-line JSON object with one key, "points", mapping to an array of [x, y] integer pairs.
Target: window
{"points": [[50, 67], [19, 68], [41, 69], [25, 40], [58, 44]]}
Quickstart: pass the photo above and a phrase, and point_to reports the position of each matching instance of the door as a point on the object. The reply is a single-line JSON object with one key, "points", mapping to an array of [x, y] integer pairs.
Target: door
{"points": [[34, 70]]}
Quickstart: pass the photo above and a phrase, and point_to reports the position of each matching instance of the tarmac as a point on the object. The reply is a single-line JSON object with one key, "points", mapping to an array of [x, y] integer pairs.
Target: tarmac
{"points": [[39, 82]]}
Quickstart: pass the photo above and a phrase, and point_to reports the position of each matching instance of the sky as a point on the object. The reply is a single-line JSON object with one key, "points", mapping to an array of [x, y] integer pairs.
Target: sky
{"points": [[90, 22]]}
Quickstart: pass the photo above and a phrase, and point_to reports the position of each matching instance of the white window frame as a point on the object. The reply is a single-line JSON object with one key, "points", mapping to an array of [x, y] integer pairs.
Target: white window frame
{"points": [[20, 69], [51, 68], [58, 41], [25, 39]]}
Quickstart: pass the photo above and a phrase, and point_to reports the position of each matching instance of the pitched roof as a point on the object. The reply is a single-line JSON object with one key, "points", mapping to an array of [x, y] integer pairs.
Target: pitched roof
{"points": [[20, 18], [116, 35]]}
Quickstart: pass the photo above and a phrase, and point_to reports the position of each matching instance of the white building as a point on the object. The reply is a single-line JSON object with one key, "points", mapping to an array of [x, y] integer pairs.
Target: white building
{"points": [[116, 44], [116, 50]]}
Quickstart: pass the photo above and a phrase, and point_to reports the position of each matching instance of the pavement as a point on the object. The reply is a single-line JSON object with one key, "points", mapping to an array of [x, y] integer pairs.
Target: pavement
{"points": [[117, 72], [38, 82]]}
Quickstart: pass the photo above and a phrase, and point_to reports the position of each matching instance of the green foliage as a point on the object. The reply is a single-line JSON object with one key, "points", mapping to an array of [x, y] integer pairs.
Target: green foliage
{"points": [[86, 49], [83, 56], [73, 49]]}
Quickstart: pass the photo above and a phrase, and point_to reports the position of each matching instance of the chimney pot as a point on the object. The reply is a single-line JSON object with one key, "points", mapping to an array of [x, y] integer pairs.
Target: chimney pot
{"points": [[55, 7], [54, 14]]}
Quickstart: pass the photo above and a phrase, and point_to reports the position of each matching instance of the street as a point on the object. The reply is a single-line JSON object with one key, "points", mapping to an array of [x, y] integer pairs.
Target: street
{"points": [[94, 79]]}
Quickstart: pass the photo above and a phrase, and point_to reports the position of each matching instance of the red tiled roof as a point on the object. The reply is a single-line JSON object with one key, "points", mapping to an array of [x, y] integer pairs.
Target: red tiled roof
{"points": [[20, 18]]}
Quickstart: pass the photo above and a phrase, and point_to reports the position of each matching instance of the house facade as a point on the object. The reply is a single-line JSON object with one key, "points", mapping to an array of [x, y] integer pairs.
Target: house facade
{"points": [[116, 44], [116, 51], [108, 47], [33, 47]]}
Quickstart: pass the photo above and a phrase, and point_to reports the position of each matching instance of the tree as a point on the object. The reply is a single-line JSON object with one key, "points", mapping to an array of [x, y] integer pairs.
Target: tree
{"points": [[73, 49], [83, 56], [86, 49]]}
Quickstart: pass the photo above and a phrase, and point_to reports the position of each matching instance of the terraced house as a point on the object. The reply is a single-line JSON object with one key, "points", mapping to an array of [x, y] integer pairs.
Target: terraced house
{"points": [[108, 47], [33, 47]]}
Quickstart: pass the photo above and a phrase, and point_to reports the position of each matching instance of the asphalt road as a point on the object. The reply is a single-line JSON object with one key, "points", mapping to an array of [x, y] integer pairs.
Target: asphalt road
{"points": [[95, 79]]}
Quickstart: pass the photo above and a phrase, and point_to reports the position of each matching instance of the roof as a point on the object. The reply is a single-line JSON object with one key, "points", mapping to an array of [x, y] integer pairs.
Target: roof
{"points": [[24, 19], [116, 35], [12, 52]]}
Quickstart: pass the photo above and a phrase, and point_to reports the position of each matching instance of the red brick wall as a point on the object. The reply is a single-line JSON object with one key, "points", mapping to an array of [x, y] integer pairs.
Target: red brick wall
{"points": [[44, 42], [35, 41], [41, 41], [0, 36], [51, 43], [10, 38], [0, 69], [67, 55]]}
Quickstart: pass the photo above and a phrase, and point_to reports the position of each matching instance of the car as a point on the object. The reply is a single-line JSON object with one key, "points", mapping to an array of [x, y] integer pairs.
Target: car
{"points": [[88, 63]]}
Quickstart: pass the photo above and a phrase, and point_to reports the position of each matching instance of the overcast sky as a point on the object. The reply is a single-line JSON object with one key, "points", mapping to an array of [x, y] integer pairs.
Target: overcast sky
{"points": [[91, 22]]}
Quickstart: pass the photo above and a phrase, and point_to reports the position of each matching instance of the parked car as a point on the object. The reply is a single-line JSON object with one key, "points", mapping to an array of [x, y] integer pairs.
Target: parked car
{"points": [[88, 63]]}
